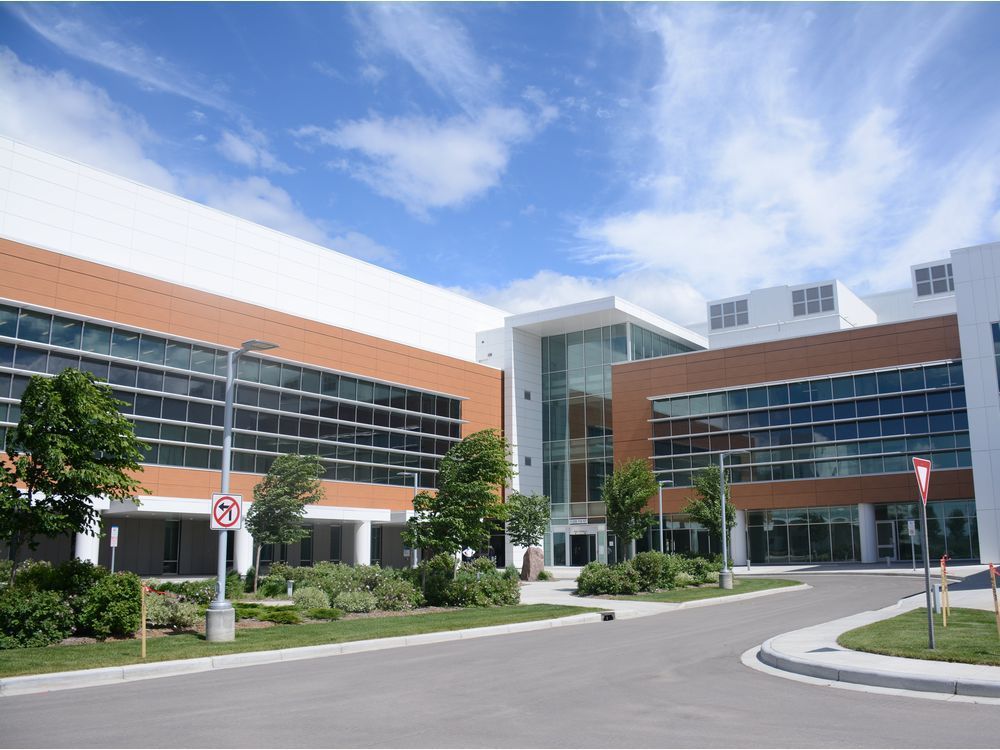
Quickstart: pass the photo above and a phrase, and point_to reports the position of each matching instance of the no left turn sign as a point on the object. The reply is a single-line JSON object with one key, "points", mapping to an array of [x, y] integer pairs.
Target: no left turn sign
{"points": [[227, 512]]}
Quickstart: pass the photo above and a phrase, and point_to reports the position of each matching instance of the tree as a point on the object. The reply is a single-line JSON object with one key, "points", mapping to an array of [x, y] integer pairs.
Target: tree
{"points": [[705, 508], [71, 444], [280, 500], [626, 492], [527, 518], [467, 504]]}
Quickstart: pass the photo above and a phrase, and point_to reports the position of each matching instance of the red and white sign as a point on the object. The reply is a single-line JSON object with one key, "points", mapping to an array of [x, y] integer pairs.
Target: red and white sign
{"points": [[922, 468], [227, 512], [114, 536]]}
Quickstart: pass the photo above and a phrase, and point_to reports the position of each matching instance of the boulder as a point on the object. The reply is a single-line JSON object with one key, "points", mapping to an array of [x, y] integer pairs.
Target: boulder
{"points": [[534, 561]]}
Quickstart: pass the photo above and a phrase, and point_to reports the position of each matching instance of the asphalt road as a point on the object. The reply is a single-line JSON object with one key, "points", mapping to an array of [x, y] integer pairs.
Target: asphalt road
{"points": [[671, 680]]}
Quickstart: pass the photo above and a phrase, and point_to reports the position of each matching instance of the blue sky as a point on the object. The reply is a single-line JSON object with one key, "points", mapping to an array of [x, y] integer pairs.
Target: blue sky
{"points": [[537, 154]]}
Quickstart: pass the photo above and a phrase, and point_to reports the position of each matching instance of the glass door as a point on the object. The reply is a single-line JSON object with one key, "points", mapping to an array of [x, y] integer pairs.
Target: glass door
{"points": [[583, 549], [885, 533]]}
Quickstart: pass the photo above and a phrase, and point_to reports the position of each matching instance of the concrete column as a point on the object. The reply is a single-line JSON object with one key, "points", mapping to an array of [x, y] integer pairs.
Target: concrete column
{"points": [[738, 539], [87, 547], [363, 543], [242, 551], [869, 541]]}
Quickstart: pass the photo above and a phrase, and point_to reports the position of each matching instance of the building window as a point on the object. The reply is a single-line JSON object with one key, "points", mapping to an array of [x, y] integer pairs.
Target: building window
{"points": [[336, 542], [812, 300], [527, 460], [527, 395], [171, 545], [933, 280], [729, 314]]}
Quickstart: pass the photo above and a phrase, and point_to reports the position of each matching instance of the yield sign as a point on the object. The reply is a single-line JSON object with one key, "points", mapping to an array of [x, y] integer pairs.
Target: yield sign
{"points": [[227, 512], [922, 468]]}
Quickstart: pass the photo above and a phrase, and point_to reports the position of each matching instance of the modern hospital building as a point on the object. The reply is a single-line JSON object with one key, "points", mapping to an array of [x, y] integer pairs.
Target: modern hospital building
{"points": [[822, 396]]}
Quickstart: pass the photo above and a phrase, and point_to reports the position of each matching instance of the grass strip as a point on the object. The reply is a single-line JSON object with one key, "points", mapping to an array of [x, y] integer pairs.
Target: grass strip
{"points": [[711, 591], [970, 638], [190, 645]]}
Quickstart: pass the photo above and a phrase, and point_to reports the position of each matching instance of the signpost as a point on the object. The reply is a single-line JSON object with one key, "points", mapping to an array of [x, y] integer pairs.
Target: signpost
{"points": [[114, 545], [227, 512], [922, 468]]}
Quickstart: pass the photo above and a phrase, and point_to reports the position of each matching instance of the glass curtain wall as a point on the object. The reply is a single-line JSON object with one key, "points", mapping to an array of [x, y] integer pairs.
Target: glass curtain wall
{"points": [[173, 391], [951, 529], [789, 535], [848, 425]]}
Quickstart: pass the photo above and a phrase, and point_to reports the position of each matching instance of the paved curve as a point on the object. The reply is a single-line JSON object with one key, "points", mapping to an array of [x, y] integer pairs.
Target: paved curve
{"points": [[662, 681]]}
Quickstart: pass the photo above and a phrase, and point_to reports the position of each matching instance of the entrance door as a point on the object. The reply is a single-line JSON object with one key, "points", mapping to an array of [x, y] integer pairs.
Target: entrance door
{"points": [[885, 532], [583, 549]]}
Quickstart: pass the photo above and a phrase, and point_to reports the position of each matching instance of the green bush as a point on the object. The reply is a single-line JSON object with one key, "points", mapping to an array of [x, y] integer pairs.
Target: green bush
{"points": [[166, 611], [436, 575], [598, 578], [355, 601], [368, 577], [280, 617], [698, 568], [326, 613], [649, 566], [196, 592], [5, 568], [248, 580], [234, 586], [112, 606], [36, 575], [272, 585], [683, 579], [33, 618], [396, 593], [310, 597], [479, 585], [333, 578], [544, 575]]}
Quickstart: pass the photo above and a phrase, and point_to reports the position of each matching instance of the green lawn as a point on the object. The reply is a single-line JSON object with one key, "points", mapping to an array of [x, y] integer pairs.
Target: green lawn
{"points": [[188, 645], [711, 590], [971, 637]]}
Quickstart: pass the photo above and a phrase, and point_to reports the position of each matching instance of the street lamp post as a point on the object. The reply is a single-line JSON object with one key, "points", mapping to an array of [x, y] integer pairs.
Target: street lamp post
{"points": [[726, 576], [415, 552], [662, 483], [220, 617]]}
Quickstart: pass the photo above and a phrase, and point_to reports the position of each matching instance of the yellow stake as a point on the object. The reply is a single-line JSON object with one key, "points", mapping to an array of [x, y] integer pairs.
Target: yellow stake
{"points": [[996, 604], [944, 594]]}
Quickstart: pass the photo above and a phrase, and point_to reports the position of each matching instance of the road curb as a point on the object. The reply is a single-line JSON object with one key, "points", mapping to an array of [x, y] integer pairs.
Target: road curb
{"points": [[884, 671], [43, 683], [741, 597]]}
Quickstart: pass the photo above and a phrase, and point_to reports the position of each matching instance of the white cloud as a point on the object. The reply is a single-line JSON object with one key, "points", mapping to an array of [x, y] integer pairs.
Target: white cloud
{"points": [[250, 150], [752, 180], [63, 114], [657, 291], [70, 117], [97, 45], [426, 163], [434, 45]]}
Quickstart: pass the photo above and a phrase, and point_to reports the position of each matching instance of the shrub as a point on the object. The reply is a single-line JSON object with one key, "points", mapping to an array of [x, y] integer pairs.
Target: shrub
{"points": [[355, 601], [368, 577], [326, 613], [280, 617], [5, 568], [673, 568], [35, 575], [649, 566], [395, 593], [683, 579], [234, 586], [481, 586], [197, 592], [310, 597], [75, 577], [698, 568], [112, 606], [272, 585], [248, 580], [33, 618], [436, 576], [544, 575], [165, 611], [598, 578]]}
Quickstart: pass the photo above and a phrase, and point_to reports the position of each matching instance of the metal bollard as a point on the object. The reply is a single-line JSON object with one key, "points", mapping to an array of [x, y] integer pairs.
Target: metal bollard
{"points": [[289, 585], [937, 598]]}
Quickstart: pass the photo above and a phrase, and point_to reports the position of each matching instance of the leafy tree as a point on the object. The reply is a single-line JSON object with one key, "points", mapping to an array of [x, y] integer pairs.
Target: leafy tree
{"points": [[626, 492], [71, 444], [527, 518], [467, 505], [705, 508], [280, 500]]}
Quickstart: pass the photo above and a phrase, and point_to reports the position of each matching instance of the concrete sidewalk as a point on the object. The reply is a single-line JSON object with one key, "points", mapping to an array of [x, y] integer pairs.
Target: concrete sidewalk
{"points": [[814, 652]]}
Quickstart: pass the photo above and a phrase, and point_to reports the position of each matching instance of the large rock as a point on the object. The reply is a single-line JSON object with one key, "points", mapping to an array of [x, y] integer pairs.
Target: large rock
{"points": [[533, 563]]}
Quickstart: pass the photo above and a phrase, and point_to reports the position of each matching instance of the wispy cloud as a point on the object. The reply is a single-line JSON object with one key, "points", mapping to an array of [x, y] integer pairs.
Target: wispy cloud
{"points": [[66, 28], [71, 117], [250, 149], [430, 162]]}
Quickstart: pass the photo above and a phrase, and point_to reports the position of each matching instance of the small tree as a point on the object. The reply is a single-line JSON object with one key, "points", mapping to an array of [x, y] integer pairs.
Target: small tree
{"points": [[527, 518], [704, 507], [626, 492], [280, 500], [467, 504], [71, 444]]}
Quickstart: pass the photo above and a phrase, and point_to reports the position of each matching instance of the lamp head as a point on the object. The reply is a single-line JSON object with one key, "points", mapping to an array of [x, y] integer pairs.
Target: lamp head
{"points": [[256, 345]]}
